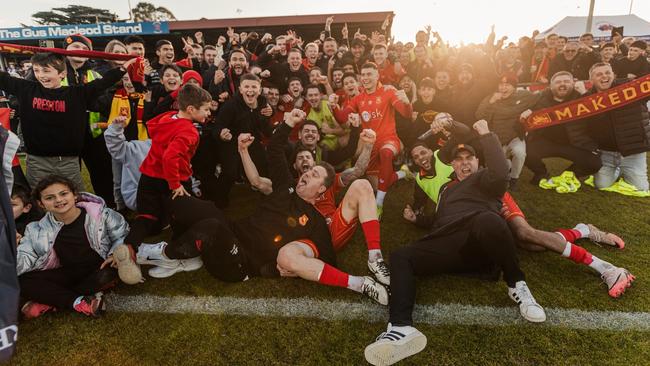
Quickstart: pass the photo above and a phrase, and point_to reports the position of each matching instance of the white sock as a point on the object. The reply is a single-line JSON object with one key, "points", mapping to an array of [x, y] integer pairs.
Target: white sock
{"points": [[600, 265], [77, 301], [400, 174], [152, 251], [567, 250], [583, 229], [374, 255], [404, 329], [380, 198], [355, 283]]}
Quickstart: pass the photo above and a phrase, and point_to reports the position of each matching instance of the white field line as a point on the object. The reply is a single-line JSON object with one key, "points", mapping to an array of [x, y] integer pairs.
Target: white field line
{"points": [[437, 314]]}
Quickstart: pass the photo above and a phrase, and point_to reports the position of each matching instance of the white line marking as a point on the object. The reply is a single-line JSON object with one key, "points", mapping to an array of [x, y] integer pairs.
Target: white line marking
{"points": [[437, 314]]}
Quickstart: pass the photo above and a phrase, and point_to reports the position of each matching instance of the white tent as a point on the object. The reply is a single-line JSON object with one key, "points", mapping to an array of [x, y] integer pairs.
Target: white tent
{"points": [[601, 28]]}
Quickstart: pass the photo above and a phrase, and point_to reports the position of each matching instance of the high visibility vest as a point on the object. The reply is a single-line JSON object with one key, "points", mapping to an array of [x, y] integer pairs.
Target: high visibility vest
{"points": [[431, 185], [93, 117]]}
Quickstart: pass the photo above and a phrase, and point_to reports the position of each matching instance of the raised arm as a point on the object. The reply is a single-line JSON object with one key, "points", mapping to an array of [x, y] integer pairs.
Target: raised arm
{"points": [[494, 180], [367, 138], [260, 183], [115, 139], [12, 85], [278, 165]]}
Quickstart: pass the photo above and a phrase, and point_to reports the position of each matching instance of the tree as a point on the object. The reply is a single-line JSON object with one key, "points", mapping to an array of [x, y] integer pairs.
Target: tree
{"points": [[147, 12], [74, 14]]}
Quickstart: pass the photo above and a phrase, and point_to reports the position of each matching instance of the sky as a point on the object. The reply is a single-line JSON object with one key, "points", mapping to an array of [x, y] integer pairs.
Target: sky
{"points": [[456, 20]]}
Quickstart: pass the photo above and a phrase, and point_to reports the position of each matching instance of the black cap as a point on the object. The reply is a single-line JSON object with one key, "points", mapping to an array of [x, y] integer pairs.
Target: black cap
{"points": [[462, 147]]}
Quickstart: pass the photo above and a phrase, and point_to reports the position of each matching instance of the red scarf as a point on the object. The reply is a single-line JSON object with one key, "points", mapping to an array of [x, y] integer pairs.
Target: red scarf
{"points": [[136, 70], [605, 101]]}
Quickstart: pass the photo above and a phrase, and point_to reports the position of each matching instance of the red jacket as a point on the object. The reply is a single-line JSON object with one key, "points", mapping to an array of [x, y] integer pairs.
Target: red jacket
{"points": [[173, 143]]}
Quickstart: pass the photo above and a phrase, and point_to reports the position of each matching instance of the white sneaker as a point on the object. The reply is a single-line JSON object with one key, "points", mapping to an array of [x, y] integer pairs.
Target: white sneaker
{"points": [[173, 266], [379, 268], [528, 307], [393, 346], [374, 290], [152, 254]]}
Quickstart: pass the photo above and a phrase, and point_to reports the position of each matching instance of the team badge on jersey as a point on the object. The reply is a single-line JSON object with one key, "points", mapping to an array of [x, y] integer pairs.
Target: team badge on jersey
{"points": [[365, 116], [303, 220]]}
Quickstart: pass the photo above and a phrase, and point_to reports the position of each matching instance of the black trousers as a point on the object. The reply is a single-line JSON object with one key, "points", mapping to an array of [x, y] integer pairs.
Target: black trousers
{"points": [[487, 242], [61, 286], [98, 162], [584, 161], [204, 164], [202, 229], [154, 199], [231, 168]]}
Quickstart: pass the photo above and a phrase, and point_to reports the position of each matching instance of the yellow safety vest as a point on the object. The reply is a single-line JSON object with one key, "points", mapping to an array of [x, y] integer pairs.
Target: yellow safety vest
{"points": [[93, 117], [431, 185]]}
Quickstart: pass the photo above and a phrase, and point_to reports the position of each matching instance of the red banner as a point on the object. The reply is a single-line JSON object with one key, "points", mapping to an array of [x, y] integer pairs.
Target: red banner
{"points": [[590, 105], [136, 70], [30, 50]]}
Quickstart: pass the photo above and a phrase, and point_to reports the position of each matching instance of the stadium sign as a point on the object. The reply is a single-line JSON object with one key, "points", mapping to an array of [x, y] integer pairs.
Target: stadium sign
{"points": [[89, 30]]}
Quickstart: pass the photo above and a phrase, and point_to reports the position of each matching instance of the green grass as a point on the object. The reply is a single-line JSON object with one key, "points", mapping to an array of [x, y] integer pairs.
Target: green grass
{"points": [[556, 282]]}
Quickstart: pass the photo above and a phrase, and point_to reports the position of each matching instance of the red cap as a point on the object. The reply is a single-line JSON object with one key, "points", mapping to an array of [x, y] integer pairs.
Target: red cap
{"points": [[191, 74]]}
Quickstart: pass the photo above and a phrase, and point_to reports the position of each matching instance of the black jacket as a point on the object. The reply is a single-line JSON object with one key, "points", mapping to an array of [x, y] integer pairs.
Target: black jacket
{"points": [[625, 130], [480, 192], [575, 133], [578, 66], [54, 121], [9, 289], [238, 117], [639, 67], [282, 216]]}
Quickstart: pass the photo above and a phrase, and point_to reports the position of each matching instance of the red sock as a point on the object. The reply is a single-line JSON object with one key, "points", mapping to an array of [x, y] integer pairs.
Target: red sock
{"points": [[580, 255], [371, 232], [333, 277], [386, 174], [570, 235]]}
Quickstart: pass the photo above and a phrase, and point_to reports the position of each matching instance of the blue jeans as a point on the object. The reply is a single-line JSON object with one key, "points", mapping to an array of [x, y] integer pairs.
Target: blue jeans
{"points": [[633, 168]]}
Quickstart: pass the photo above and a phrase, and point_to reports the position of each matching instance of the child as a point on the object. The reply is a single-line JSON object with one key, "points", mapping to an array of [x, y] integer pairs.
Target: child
{"points": [[166, 173], [23, 211], [63, 259], [127, 157], [53, 118]]}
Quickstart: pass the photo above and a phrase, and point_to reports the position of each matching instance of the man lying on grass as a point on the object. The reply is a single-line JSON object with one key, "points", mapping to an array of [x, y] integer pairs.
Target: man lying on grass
{"points": [[357, 208], [468, 235], [435, 172], [286, 236]]}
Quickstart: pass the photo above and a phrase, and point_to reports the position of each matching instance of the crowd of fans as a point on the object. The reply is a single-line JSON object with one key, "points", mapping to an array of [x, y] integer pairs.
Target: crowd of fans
{"points": [[303, 121]]}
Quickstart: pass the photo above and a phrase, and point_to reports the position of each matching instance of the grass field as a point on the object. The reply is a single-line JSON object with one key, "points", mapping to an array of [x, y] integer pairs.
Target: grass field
{"points": [[125, 338]]}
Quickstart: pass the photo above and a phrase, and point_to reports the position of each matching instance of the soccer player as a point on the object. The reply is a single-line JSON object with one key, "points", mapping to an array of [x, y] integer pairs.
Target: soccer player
{"points": [[358, 204], [287, 235], [376, 107]]}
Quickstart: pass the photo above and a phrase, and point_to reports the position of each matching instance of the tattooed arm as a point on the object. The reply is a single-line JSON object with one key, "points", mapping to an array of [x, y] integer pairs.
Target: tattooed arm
{"points": [[367, 138]]}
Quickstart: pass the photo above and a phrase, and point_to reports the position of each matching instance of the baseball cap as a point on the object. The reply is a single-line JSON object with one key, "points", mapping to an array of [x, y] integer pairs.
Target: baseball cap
{"points": [[462, 147]]}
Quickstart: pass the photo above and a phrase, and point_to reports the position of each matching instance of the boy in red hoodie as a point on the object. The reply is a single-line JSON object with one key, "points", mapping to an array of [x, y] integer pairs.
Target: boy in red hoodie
{"points": [[166, 173]]}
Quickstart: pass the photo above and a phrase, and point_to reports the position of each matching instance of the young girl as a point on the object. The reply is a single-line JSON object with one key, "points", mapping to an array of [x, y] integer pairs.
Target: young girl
{"points": [[63, 259]]}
